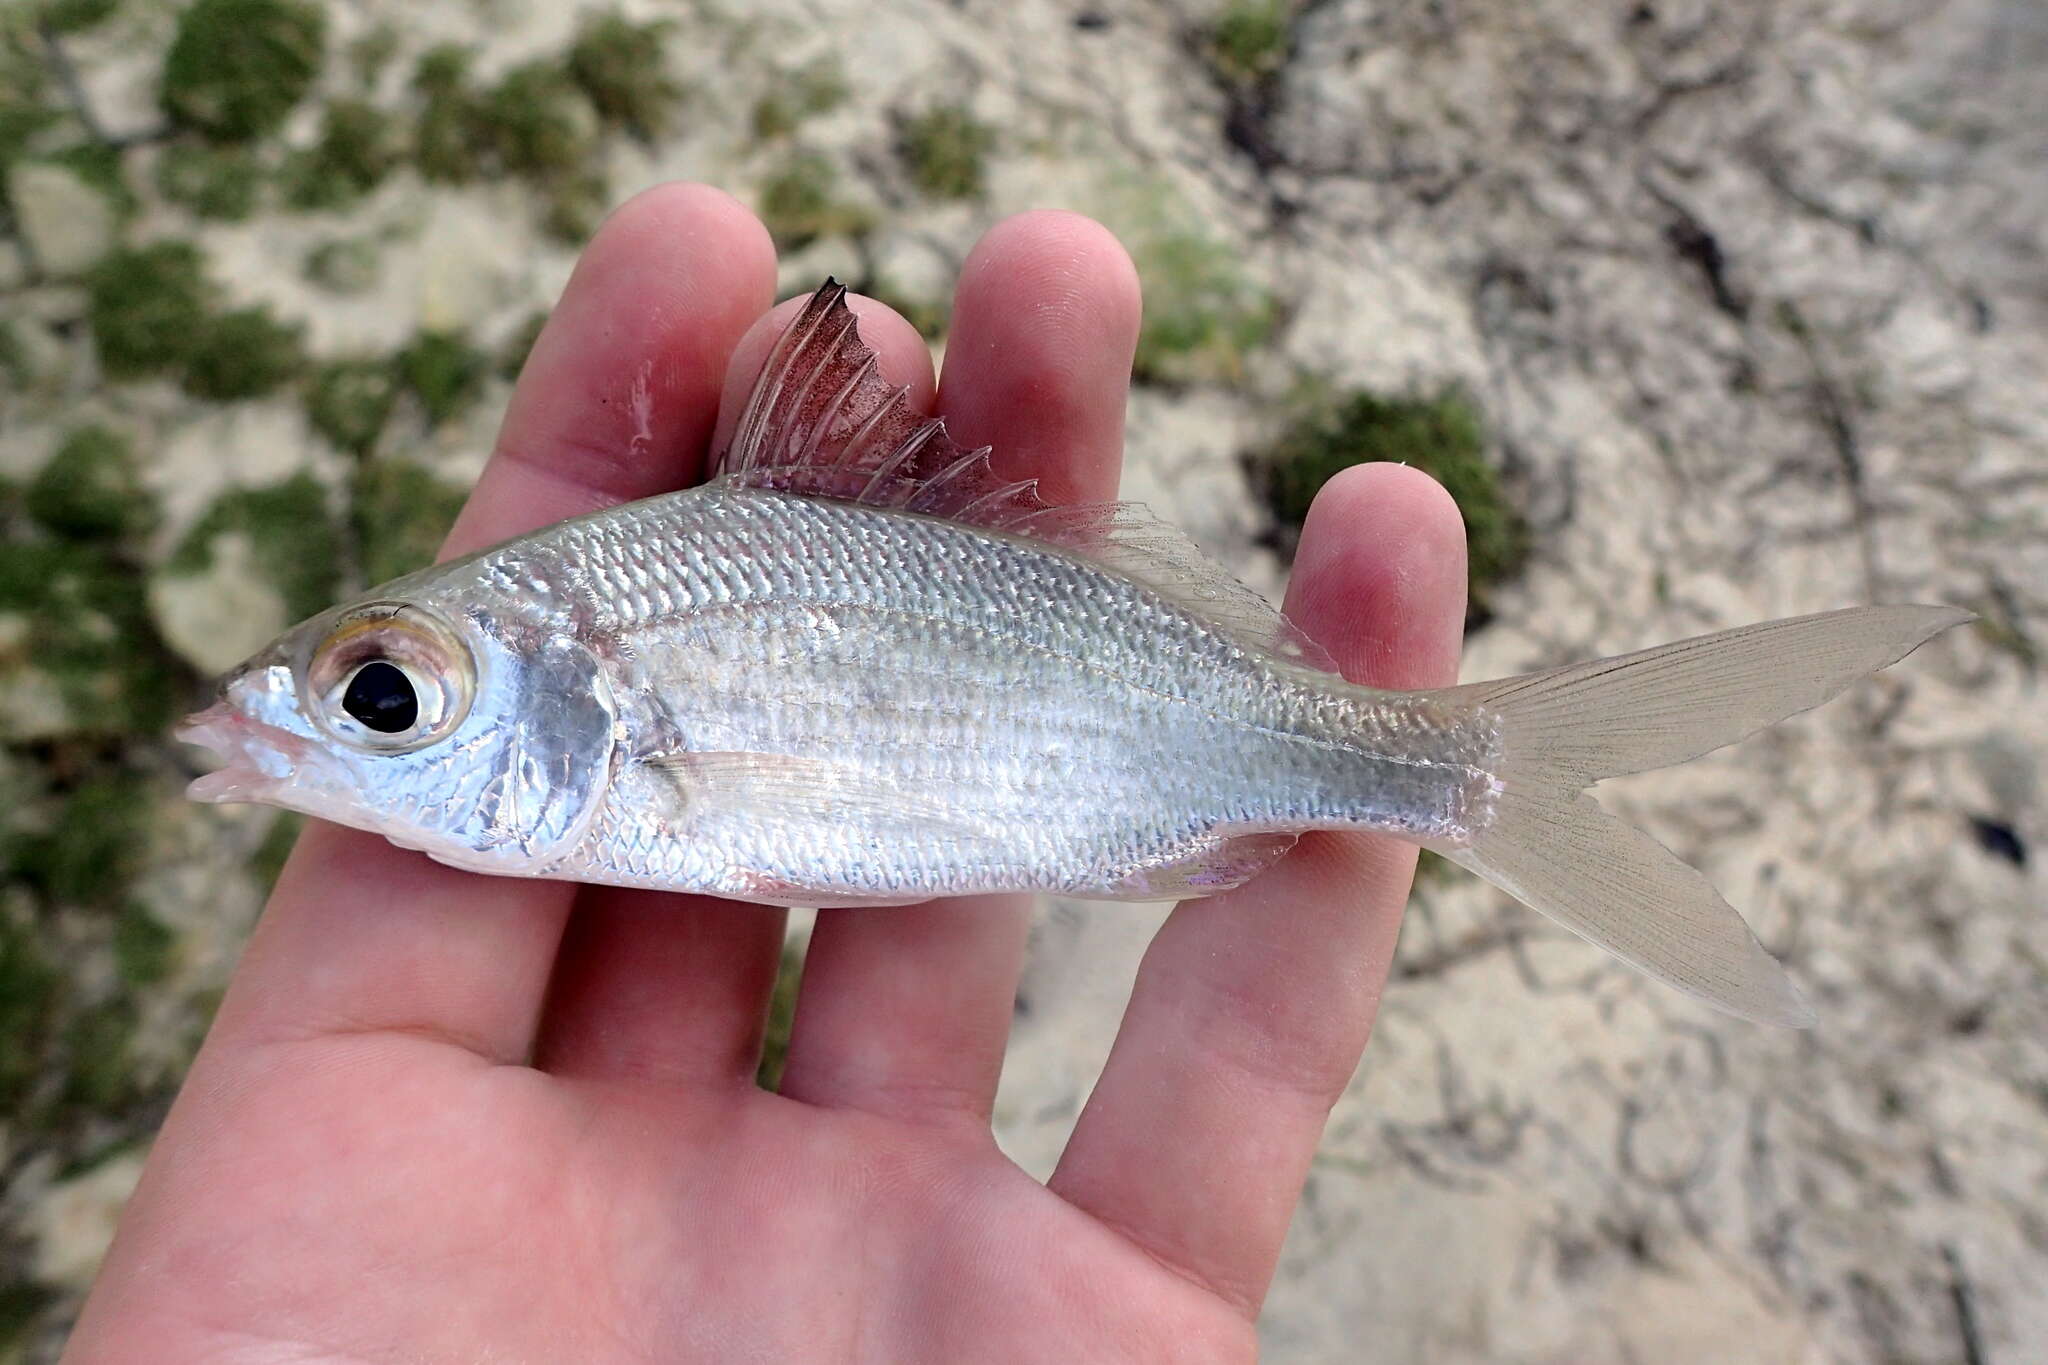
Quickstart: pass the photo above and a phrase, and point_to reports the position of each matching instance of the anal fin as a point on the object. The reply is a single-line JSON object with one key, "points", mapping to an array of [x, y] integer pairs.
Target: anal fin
{"points": [[1225, 862]]}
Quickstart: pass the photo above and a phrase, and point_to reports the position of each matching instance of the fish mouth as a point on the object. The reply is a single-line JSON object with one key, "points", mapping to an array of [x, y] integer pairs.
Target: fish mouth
{"points": [[257, 759]]}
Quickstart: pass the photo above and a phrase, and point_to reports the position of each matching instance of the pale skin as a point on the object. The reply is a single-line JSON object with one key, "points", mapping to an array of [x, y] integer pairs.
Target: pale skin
{"points": [[446, 1117]]}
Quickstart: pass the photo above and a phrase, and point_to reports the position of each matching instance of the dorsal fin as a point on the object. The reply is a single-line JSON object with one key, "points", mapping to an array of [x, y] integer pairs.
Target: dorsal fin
{"points": [[821, 421]]}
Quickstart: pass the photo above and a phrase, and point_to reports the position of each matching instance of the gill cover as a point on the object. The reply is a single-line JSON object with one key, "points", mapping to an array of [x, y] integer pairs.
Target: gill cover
{"points": [[520, 780]]}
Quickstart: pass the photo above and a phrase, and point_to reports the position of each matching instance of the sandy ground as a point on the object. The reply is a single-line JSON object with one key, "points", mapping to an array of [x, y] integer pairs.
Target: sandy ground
{"points": [[1754, 300]]}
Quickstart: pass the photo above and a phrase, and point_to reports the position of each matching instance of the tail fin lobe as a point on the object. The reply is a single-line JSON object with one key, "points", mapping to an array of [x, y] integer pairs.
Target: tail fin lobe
{"points": [[1561, 730]]}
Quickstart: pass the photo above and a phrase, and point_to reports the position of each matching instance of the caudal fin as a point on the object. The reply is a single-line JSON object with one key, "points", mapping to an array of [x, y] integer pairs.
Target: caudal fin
{"points": [[1551, 847]]}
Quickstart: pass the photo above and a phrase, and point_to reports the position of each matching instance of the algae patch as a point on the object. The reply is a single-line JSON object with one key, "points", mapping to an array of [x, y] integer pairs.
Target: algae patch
{"points": [[401, 513], [218, 182], [146, 305], [241, 354], [90, 489], [618, 65], [800, 203], [444, 371], [1441, 434], [291, 538], [359, 146], [236, 68], [946, 149], [349, 401]]}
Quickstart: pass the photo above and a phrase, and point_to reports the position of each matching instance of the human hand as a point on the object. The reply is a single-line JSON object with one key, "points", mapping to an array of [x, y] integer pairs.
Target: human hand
{"points": [[448, 1117]]}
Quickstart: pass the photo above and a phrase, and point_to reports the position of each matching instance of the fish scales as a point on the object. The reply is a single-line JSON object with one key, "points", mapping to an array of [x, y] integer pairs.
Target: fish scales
{"points": [[1076, 727]]}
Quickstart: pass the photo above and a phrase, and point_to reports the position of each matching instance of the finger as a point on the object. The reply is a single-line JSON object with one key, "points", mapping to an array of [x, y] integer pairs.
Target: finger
{"points": [[1251, 1008], [907, 1010], [673, 988], [656, 987], [616, 402]]}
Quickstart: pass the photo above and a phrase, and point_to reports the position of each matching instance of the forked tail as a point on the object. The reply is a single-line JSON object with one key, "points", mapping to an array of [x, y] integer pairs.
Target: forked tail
{"points": [[1562, 730]]}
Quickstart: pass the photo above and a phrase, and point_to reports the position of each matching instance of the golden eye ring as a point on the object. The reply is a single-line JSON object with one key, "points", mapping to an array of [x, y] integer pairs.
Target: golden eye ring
{"points": [[390, 677]]}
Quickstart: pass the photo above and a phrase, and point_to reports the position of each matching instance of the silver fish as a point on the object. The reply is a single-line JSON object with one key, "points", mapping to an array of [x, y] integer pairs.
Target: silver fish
{"points": [[856, 668]]}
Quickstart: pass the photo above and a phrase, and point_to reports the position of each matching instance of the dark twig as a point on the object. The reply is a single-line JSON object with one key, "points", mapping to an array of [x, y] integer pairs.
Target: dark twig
{"points": [[1965, 1300]]}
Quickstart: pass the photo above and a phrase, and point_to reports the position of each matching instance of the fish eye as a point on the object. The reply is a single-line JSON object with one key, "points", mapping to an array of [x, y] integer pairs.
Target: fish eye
{"points": [[382, 697], [389, 677]]}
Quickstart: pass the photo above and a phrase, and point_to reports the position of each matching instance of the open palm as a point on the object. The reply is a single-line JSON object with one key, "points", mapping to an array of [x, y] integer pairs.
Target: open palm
{"points": [[445, 1117]]}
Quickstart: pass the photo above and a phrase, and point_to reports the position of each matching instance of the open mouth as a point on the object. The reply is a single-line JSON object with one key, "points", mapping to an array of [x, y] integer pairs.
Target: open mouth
{"points": [[257, 758]]}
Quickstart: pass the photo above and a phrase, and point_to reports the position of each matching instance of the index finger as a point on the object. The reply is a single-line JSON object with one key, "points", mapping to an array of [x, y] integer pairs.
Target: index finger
{"points": [[617, 402]]}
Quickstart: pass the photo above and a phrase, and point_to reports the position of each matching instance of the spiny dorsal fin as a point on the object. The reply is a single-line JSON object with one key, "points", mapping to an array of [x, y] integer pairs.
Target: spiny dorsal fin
{"points": [[822, 422]]}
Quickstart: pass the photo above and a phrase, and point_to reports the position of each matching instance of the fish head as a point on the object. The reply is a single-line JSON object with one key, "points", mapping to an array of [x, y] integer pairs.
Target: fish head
{"points": [[483, 738]]}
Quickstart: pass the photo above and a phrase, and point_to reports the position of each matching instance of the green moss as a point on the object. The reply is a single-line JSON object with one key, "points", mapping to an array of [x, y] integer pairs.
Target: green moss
{"points": [[87, 627], [401, 514], [22, 1303], [99, 1043], [221, 182], [348, 266], [20, 122], [359, 145], [1202, 316], [349, 401], [573, 205], [144, 946], [1442, 435], [444, 372], [29, 987], [618, 64], [946, 151], [147, 307], [236, 67], [267, 862], [541, 126], [818, 88], [89, 489], [1249, 40], [370, 54], [74, 16], [519, 345], [24, 86], [99, 166], [93, 851], [243, 354], [442, 70], [799, 204], [291, 535], [781, 1016], [539, 121], [447, 138]]}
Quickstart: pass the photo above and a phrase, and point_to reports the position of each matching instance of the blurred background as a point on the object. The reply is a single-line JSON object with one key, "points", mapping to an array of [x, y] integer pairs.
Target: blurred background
{"points": [[1705, 312]]}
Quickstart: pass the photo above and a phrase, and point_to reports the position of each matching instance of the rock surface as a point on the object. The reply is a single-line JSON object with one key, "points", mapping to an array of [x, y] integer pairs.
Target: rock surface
{"points": [[66, 224], [1754, 298]]}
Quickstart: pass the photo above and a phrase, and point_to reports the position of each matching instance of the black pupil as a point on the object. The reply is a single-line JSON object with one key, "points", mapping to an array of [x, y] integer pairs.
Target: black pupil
{"points": [[381, 697]]}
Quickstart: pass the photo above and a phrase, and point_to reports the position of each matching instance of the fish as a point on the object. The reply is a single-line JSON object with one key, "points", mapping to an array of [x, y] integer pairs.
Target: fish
{"points": [[856, 667]]}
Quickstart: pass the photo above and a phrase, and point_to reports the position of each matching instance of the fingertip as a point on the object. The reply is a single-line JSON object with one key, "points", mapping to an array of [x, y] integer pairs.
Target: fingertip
{"points": [[1379, 578], [1057, 262], [685, 212], [905, 358], [1045, 322]]}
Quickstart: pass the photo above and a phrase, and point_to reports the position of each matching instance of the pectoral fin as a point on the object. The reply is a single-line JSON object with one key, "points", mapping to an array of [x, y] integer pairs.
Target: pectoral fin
{"points": [[782, 788]]}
